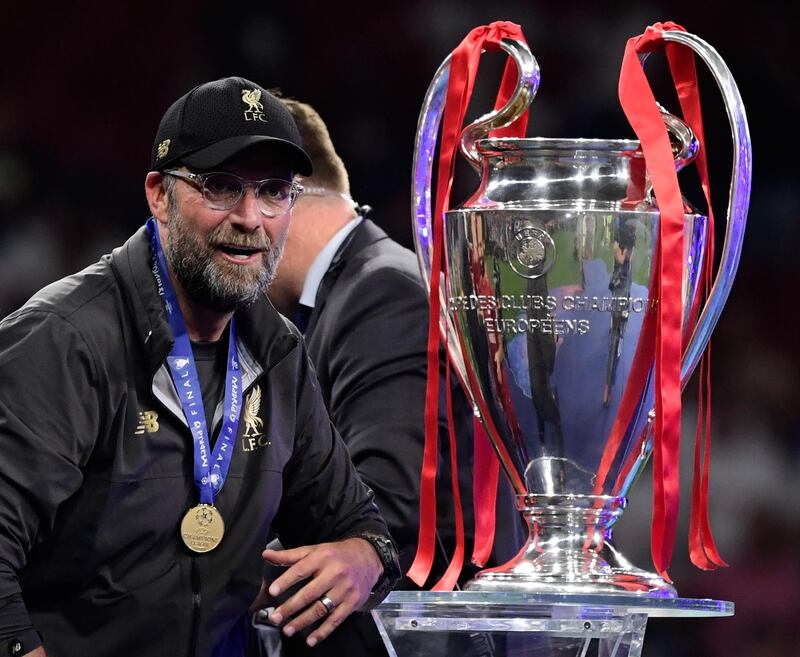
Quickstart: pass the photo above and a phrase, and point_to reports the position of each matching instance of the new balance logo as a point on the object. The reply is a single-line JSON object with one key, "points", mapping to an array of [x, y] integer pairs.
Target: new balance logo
{"points": [[148, 422]]}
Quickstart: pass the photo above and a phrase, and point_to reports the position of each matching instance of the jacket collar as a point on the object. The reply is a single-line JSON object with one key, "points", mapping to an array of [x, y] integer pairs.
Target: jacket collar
{"points": [[361, 237], [262, 329]]}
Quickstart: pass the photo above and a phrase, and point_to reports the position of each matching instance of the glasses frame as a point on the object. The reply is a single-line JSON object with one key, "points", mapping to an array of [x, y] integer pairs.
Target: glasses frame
{"points": [[198, 181]]}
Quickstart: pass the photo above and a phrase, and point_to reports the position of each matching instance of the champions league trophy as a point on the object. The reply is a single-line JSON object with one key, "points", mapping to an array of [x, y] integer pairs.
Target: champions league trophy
{"points": [[549, 280]]}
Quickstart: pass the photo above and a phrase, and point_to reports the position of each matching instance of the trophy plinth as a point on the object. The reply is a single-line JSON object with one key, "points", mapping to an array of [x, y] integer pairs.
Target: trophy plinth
{"points": [[508, 624], [570, 551]]}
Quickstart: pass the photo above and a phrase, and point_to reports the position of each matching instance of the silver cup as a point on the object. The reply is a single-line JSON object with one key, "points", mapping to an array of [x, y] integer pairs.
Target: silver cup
{"points": [[549, 268]]}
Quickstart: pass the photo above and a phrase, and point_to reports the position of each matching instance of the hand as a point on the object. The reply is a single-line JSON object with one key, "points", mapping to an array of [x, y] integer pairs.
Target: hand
{"points": [[344, 572]]}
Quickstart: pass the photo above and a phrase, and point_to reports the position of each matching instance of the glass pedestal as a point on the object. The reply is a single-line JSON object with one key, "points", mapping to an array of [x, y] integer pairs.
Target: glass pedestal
{"points": [[482, 624]]}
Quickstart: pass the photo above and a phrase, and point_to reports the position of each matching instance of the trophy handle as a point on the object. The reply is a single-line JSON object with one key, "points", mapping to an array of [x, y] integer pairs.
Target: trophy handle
{"points": [[527, 85], [424, 149], [687, 146], [739, 198]]}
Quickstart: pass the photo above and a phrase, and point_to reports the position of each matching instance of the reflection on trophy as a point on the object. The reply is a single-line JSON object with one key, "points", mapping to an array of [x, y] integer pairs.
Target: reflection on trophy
{"points": [[624, 241], [550, 270]]}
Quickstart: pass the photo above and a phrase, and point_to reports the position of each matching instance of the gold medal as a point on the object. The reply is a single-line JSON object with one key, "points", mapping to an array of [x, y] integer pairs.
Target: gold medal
{"points": [[202, 528]]}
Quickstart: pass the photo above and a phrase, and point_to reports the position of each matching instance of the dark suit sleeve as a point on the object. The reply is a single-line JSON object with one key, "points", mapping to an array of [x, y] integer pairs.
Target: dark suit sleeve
{"points": [[48, 424], [376, 368]]}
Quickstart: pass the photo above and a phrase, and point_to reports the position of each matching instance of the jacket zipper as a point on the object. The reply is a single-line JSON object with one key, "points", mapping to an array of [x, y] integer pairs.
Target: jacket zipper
{"points": [[195, 565], [196, 602]]}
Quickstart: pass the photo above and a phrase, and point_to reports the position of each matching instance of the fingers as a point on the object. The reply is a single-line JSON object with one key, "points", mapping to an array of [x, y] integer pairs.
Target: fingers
{"points": [[316, 612], [286, 557], [297, 611], [332, 620], [299, 567], [342, 571]]}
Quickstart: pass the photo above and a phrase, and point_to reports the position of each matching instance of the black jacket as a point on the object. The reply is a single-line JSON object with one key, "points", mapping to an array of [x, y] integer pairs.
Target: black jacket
{"points": [[96, 472]]}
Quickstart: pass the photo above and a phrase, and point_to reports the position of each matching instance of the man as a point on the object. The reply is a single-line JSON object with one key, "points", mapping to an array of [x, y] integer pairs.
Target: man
{"points": [[159, 420], [362, 302]]}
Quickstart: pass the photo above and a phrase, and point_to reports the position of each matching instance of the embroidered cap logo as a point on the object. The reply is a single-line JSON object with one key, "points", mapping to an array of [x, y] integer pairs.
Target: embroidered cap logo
{"points": [[163, 148], [255, 109]]}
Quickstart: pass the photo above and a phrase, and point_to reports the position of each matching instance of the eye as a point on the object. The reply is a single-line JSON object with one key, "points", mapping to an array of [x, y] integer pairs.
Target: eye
{"points": [[275, 189], [223, 185]]}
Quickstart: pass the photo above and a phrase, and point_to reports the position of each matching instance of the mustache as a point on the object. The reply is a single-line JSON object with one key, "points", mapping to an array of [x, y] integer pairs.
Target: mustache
{"points": [[227, 236]]}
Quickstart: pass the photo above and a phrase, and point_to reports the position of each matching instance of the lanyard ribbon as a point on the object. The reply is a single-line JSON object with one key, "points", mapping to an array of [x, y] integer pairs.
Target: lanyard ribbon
{"points": [[463, 71], [211, 469], [661, 337]]}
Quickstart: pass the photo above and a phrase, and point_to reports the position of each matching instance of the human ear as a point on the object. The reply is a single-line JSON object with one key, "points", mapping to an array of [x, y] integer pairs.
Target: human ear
{"points": [[156, 195]]}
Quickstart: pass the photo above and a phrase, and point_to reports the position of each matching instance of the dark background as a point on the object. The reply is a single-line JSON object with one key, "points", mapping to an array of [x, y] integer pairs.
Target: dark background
{"points": [[84, 85]]}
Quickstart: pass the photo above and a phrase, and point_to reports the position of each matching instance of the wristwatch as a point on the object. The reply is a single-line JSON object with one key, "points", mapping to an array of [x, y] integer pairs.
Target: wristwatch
{"points": [[387, 553]]}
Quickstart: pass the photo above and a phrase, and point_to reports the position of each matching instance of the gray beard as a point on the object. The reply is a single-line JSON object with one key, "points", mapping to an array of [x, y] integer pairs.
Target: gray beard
{"points": [[220, 286]]}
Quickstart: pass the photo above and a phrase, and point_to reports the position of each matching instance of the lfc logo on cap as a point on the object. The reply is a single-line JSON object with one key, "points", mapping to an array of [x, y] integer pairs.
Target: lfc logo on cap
{"points": [[255, 110]]}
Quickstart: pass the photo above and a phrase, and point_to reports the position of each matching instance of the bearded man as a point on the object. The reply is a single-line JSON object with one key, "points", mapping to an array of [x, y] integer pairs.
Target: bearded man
{"points": [[134, 503]]}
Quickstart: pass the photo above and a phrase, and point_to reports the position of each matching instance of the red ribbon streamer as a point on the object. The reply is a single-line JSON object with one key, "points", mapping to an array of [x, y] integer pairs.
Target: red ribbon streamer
{"points": [[463, 71], [484, 494], [640, 108], [702, 549], [450, 577]]}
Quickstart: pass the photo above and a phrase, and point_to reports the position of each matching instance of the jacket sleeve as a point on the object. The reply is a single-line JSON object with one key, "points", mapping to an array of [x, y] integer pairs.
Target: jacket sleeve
{"points": [[48, 423], [377, 368], [323, 499]]}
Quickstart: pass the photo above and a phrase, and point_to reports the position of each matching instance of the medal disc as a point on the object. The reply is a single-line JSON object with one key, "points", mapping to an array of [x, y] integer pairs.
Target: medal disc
{"points": [[202, 528]]}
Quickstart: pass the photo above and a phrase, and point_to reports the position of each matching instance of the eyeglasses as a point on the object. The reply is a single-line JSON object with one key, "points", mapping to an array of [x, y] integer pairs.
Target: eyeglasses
{"points": [[222, 191]]}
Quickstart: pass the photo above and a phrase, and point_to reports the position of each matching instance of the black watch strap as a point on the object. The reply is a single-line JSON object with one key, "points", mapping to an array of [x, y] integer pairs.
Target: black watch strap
{"points": [[387, 553]]}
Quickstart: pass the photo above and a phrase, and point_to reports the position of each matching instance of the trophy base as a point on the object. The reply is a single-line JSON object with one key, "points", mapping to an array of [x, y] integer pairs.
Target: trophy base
{"points": [[570, 551]]}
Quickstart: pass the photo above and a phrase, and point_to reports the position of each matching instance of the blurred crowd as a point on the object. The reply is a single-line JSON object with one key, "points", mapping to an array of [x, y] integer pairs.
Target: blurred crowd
{"points": [[84, 84]]}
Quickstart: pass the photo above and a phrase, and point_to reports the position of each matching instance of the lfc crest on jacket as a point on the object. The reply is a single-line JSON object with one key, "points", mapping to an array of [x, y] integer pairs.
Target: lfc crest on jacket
{"points": [[253, 437]]}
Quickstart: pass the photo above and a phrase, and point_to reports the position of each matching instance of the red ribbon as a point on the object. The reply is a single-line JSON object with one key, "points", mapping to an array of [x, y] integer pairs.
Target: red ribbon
{"points": [[463, 71], [450, 577], [486, 467], [661, 331], [702, 549]]}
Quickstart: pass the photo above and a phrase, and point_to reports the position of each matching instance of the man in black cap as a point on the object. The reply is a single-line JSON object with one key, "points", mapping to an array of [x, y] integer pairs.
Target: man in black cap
{"points": [[159, 419]]}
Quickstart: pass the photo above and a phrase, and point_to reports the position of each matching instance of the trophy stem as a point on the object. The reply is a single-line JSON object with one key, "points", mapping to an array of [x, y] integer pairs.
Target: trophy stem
{"points": [[570, 550]]}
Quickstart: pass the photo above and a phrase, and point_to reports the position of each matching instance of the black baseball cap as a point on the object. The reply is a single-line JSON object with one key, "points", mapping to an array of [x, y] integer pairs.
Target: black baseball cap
{"points": [[217, 120]]}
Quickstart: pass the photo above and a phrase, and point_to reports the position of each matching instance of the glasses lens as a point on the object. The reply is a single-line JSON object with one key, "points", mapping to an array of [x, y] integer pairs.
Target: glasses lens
{"points": [[276, 196], [222, 190]]}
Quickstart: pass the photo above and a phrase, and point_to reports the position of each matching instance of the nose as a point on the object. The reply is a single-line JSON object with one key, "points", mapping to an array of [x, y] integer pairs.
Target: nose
{"points": [[246, 213]]}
